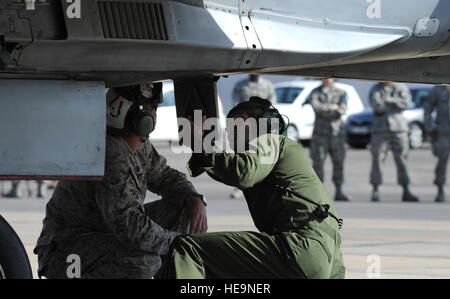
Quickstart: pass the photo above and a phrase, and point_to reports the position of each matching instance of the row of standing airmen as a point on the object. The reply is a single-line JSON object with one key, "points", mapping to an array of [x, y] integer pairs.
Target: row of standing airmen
{"points": [[17, 192], [389, 130]]}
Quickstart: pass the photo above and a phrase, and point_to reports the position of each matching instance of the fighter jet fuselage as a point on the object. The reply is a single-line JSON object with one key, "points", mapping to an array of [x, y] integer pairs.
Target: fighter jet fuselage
{"points": [[123, 42]]}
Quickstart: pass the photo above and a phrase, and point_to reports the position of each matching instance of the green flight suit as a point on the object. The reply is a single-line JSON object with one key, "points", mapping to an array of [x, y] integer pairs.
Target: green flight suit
{"points": [[292, 242]]}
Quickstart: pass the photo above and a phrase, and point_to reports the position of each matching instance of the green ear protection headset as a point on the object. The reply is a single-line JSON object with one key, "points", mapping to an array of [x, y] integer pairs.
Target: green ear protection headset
{"points": [[269, 112], [139, 119]]}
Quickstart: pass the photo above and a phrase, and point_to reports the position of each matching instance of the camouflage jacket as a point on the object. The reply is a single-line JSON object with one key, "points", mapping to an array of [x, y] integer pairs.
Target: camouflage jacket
{"points": [[115, 204], [328, 119], [388, 103], [245, 89], [438, 99]]}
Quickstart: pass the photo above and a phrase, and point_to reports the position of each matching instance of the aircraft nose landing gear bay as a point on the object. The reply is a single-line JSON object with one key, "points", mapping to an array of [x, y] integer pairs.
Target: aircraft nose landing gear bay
{"points": [[14, 263]]}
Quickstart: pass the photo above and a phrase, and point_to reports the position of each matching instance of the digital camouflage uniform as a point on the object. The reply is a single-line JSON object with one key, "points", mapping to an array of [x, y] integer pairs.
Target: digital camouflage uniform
{"points": [[389, 129], [106, 223], [329, 133], [439, 99], [246, 89], [291, 242]]}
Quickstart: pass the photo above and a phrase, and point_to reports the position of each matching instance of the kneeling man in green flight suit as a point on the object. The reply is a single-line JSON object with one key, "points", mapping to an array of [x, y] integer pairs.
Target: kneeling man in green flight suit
{"points": [[298, 228]]}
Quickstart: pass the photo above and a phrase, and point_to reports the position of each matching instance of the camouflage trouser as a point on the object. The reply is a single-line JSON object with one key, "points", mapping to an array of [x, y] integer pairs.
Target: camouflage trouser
{"points": [[380, 144], [102, 256], [441, 149], [321, 146]]}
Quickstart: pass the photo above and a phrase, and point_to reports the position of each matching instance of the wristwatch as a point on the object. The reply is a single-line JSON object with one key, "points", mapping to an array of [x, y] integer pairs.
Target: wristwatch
{"points": [[202, 198]]}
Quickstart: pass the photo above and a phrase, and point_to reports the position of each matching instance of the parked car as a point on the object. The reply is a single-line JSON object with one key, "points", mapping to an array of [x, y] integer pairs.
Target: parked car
{"points": [[166, 125], [358, 125], [293, 102]]}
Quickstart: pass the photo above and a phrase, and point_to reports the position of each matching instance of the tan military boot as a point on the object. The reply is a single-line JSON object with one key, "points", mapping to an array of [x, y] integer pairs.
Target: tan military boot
{"points": [[237, 193]]}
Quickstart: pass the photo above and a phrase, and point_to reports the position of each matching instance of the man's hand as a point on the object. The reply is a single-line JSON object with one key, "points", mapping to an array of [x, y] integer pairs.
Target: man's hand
{"points": [[195, 214]]}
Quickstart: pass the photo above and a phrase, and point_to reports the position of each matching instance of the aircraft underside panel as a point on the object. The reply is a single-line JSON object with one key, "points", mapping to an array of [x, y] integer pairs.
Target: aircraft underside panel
{"points": [[125, 42], [52, 129], [420, 70]]}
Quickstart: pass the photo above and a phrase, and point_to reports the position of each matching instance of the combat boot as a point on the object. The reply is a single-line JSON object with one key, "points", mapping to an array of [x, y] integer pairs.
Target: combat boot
{"points": [[41, 189], [375, 195], [440, 196], [340, 196], [237, 193], [408, 196], [13, 193]]}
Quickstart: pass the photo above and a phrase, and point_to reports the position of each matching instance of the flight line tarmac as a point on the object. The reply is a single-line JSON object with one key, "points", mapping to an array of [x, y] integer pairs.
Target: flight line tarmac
{"points": [[388, 239]]}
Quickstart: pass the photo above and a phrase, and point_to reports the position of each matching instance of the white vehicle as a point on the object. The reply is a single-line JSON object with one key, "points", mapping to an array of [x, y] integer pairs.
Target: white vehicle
{"points": [[166, 121], [292, 101]]}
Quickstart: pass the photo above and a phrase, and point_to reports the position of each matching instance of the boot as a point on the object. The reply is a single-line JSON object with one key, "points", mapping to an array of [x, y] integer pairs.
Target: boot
{"points": [[375, 194], [13, 193], [408, 196], [52, 186], [340, 196], [440, 196], [41, 189], [237, 193]]}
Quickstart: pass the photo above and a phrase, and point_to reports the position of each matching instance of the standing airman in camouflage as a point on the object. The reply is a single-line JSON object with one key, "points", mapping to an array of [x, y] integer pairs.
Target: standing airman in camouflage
{"points": [[329, 104], [105, 223], [390, 131], [439, 99], [254, 86]]}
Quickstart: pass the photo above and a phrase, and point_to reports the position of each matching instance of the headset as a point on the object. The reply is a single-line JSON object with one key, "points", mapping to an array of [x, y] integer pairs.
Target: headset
{"points": [[145, 97], [269, 112], [140, 121]]}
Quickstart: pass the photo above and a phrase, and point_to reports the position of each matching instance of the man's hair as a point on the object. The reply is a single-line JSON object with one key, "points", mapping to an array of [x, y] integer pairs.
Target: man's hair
{"points": [[258, 108], [254, 108]]}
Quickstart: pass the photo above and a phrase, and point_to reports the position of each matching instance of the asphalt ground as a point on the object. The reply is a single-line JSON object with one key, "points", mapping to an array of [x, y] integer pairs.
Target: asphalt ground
{"points": [[388, 239]]}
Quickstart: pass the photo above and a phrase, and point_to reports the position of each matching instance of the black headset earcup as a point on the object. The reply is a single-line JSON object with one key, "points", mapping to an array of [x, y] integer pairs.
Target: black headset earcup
{"points": [[145, 125], [141, 122], [274, 114], [268, 117]]}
